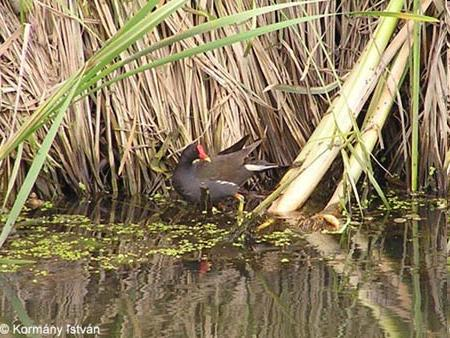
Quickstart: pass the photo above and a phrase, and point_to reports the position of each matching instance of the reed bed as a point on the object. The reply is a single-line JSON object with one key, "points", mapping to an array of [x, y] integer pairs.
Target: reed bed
{"points": [[125, 137]]}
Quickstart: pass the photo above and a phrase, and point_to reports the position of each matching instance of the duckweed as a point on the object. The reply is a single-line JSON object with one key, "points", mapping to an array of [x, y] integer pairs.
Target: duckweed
{"points": [[107, 246], [110, 246], [281, 238]]}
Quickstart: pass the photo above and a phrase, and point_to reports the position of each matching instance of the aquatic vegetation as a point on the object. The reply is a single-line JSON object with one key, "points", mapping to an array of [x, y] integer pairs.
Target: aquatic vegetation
{"points": [[199, 237], [106, 246], [115, 245], [280, 238]]}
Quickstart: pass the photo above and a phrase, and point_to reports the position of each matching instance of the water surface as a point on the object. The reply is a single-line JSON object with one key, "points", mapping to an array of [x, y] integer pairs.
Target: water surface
{"points": [[387, 277]]}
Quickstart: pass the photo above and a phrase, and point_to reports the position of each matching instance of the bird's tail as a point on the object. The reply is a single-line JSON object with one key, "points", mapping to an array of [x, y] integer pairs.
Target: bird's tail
{"points": [[261, 166]]}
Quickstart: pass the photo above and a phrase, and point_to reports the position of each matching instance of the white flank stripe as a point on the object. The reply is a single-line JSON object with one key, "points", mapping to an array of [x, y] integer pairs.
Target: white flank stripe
{"points": [[259, 167], [225, 182]]}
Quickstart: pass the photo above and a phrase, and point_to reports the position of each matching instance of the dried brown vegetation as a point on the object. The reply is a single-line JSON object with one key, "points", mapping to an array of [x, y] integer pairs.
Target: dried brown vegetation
{"points": [[116, 139]]}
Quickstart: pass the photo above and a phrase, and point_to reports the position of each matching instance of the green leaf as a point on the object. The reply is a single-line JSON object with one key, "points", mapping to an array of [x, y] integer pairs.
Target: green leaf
{"points": [[202, 28], [39, 160], [14, 173], [119, 43], [399, 15], [10, 261], [229, 40]]}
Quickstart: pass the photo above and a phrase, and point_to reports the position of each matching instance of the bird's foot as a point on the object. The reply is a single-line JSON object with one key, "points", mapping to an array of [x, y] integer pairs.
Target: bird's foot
{"points": [[240, 213]]}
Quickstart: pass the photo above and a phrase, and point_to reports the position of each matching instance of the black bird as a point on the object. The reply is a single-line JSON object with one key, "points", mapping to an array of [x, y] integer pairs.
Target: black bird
{"points": [[220, 176]]}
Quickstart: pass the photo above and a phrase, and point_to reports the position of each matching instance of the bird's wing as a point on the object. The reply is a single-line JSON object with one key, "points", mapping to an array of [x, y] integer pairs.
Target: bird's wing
{"points": [[226, 167], [235, 147]]}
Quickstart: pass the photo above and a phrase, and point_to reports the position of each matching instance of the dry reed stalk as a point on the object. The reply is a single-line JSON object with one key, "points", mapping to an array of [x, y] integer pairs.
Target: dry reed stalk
{"points": [[109, 141], [218, 96], [434, 130]]}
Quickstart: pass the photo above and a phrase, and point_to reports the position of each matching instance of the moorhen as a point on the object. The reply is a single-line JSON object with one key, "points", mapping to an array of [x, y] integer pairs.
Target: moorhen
{"points": [[220, 176]]}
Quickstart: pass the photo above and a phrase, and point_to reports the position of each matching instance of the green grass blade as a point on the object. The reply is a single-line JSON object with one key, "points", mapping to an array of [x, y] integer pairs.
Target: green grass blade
{"points": [[415, 93], [52, 104], [120, 43], [37, 119], [140, 15], [17, 304], [399, 15], [210, 46], [13, 176], [39, 160], [202, 28], [11, 261], [125, 38]]}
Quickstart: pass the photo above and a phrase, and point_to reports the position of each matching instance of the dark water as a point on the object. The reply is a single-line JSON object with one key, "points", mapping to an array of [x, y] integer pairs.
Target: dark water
{"points": [[384, 278]]}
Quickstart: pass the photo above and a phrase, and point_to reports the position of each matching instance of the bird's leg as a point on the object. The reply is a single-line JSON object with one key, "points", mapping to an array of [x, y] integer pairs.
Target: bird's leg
{"points": [[240, 214], [205, 199]]}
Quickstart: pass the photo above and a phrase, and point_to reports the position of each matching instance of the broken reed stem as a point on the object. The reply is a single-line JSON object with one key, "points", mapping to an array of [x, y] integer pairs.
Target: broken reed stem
{"points": [[329, 134], [378, 112]]}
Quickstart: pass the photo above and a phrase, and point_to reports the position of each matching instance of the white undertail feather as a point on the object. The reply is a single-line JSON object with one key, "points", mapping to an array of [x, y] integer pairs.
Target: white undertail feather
{"points": [[259, 167]]}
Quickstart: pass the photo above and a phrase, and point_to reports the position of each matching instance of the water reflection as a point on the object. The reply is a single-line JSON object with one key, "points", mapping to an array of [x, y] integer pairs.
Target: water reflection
{"points": [[382, 279]]}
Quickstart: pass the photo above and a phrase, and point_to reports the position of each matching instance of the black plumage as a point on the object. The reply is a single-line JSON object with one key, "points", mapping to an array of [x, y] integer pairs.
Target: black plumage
{"points": [[221, 176]]}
